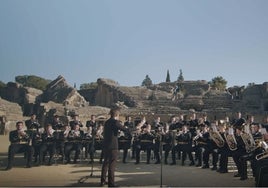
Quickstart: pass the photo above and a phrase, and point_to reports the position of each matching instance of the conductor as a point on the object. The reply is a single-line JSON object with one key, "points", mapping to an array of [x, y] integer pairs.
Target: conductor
{"points": [[110, 147]]}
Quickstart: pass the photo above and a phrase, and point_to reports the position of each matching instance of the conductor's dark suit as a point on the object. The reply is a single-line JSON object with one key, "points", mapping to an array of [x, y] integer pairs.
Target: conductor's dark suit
{"points": [[110, 148]]}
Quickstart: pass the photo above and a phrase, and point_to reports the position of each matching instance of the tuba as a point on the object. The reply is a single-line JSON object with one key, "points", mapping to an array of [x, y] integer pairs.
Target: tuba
{"points": [[248, 139], [216, 136], [264, 154], [230, 139]]}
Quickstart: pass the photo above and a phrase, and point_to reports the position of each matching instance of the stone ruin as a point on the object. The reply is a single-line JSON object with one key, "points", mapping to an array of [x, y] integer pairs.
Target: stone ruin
{"points": [[158, 100]]}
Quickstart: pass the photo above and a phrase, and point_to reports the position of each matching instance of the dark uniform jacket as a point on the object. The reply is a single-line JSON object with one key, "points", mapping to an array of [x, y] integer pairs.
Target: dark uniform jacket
{"points": [[111, 127]]}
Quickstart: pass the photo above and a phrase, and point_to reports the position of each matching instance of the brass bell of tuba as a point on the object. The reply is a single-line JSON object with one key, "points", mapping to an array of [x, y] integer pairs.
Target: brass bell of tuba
{"points": [[216, 136], [248, 139], [230, 139]]}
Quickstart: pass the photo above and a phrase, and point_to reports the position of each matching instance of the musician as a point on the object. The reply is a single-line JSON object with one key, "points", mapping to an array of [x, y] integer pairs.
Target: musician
{"points": [[99, 139], [223, 151], [110, 147], [251, 156], [240, 149], [74, 143], [32, 124], [184, 144], [75, 121], [132, 128], [124, 142], [158, 131], [33, 127], [48, 144], [210, 148], [58, 127], [144, 142], [193, 123], [91, 129], [20, 141], [167, 141], [200, 142]]}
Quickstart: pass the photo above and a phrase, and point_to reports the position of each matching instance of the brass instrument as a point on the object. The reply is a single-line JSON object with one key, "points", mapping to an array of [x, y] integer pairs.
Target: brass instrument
{"points": [[216, 136], [248, 139], [264, 154], [230, 139]]}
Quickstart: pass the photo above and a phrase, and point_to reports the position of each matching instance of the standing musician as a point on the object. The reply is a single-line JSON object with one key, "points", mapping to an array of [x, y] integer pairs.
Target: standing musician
{"points": [[48, 144], [144, 142], [20, 142], [74, 143], [75, 121]]}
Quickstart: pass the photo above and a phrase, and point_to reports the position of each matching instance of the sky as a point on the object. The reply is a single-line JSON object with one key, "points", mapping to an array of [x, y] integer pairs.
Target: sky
{"points": [[124, 40]]}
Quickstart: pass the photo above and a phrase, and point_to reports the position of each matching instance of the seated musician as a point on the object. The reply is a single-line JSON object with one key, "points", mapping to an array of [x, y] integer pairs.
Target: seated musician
{"points": [[20, 142], [251, 155], [74, 143], [58, 127], [144, 142], [48, 144], [98, 144], [124, 142], [33, 128], [167, 141], [200, 142]]}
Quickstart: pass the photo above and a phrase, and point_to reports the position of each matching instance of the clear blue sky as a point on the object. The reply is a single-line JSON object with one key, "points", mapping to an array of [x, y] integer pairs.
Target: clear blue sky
{"points": [[84, 40]]}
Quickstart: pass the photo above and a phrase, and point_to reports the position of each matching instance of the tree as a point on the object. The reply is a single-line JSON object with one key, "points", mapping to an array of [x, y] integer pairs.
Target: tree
{"points": [[92, 85], [32, 81], [219, 83], [2, 84], [147, 81], [180, 78], [168, 76]]}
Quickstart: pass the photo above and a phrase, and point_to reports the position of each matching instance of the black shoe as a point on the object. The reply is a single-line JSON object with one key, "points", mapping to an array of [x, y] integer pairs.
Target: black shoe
{"points": [[8, 168], [237, 175], [182, 163], [205, 166], [28, 166], [148, 162], [113, 185], [223, 171], [243, 178], [157, 162], [214, 168], [137, 162], [198, 165], [166, 162], [173, 163], [191, 164]]}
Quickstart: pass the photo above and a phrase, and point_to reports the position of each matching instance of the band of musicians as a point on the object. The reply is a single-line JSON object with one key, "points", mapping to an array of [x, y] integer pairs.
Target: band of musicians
{"points": [[190, 141]]}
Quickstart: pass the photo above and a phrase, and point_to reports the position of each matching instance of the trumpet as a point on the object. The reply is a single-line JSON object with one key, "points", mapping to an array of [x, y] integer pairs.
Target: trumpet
{"points": [[264, 154]]}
